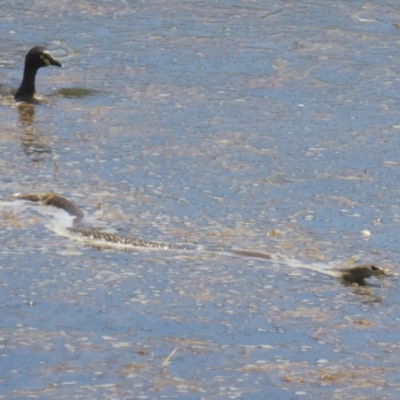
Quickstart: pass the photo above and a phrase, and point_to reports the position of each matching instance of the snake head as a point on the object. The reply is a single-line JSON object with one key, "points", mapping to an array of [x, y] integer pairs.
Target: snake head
{"points": [[377, 272], [366, 271]]}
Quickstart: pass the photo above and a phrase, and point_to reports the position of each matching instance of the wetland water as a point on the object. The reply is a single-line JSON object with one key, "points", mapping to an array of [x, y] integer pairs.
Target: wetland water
{"points": [[269, 126]]}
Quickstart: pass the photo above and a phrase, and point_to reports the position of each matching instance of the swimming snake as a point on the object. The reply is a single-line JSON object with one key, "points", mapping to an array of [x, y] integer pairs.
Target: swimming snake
{"points": [[354, 274]]}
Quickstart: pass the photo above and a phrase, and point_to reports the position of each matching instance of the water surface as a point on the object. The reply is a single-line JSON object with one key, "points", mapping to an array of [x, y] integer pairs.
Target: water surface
{"points": [[270, 126]]}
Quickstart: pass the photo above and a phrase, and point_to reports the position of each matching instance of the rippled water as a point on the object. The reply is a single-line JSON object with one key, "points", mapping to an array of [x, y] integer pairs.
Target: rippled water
{"points": [[270, 126]]}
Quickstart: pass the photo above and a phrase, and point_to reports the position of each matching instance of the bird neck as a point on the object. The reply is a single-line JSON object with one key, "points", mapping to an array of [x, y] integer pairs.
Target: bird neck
{"points": [[27, 89]]}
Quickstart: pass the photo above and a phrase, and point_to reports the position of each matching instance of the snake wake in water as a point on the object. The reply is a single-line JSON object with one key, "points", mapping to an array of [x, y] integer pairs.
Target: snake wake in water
{"points": [[356, 274]]}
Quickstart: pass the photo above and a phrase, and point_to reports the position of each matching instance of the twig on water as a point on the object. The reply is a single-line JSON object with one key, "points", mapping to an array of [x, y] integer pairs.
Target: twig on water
{"points": [[165, 362]]}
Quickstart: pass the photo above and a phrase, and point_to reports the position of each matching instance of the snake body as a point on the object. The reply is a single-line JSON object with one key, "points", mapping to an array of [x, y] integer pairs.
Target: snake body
{"points": [[355, 274], [102, 238]]}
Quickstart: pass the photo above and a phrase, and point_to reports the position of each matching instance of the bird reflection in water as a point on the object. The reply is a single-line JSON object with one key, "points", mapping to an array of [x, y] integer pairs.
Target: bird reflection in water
{"points": [[34, 145]]}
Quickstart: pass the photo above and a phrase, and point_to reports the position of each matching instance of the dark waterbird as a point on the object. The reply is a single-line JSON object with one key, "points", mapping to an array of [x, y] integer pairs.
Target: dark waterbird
{"points": [[36, 58]]}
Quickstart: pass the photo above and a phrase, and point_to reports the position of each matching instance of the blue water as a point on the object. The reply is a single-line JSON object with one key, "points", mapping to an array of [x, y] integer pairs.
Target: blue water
{"points": [[270, 126]]}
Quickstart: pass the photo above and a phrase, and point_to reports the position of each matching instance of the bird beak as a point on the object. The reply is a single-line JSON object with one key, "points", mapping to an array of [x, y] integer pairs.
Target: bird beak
{"points": [[48, 59], [54, 62]]}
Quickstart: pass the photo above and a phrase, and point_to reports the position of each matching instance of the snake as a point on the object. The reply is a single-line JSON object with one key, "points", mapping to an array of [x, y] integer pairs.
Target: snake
{"points": [[354, 274]]}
